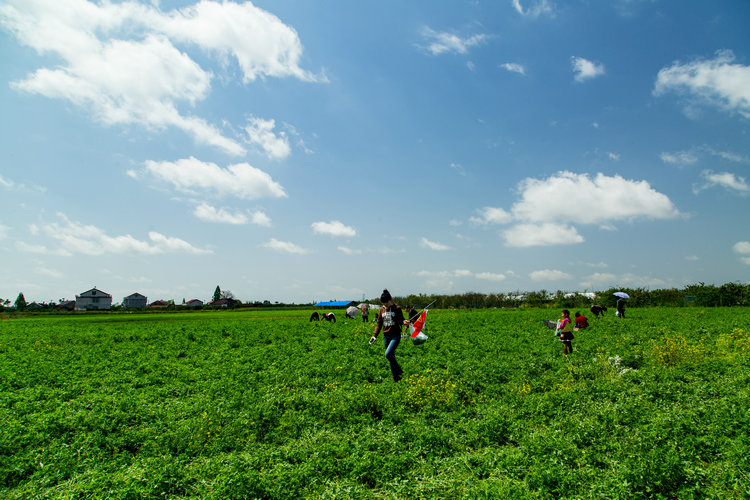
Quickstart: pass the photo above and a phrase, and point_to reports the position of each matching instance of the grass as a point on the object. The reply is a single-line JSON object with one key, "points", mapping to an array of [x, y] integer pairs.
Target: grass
{"points": [[258, 405]]}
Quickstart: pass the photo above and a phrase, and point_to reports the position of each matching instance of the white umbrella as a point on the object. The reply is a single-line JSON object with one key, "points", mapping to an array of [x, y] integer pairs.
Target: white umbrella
{"points": [[622, 295], [352, 311]]}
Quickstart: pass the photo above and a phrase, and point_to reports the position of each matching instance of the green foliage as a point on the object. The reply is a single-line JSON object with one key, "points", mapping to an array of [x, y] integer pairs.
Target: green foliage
{"points": [[20, 302], [265, 404]]}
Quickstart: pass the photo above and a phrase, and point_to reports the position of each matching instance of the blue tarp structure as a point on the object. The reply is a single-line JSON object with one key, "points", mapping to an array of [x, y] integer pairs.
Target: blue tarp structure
{"points": [[335, 303]]}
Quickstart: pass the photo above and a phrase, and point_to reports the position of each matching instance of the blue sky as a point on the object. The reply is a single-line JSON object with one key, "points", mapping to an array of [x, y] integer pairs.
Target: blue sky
{"points": [[299, 151]]}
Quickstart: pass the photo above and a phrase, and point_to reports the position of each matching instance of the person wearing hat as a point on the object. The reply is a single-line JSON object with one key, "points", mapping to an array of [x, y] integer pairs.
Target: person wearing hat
{"points": [[390, 320]]}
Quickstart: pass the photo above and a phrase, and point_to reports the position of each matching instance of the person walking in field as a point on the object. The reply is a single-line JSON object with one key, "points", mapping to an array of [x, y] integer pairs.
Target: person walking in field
{"points": [[566, 332], [390, 321]]}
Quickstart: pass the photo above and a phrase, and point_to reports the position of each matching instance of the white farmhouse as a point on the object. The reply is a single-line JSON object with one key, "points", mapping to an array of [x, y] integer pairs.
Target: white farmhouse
{"points": [[93, 299], [135, 300]]}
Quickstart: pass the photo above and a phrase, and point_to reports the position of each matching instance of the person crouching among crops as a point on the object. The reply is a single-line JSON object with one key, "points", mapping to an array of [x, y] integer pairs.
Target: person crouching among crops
{"points": [[566, 332], [581, 321], [390, 320]]}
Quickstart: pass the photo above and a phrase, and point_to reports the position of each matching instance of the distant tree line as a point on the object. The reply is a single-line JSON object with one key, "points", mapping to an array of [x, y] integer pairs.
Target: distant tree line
{"points": [[702, 295]]}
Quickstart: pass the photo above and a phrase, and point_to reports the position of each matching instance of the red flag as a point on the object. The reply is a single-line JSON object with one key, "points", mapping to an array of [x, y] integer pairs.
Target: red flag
{"points": [[418, 325]]}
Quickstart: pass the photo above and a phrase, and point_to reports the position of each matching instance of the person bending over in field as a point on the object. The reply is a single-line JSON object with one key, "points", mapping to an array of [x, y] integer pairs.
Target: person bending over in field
{"points": [[390, 321], [566, 332], [330, 317], [597, 310], [315, 316]]}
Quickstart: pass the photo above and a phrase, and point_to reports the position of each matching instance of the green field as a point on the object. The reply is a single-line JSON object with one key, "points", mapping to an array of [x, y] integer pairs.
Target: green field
{"points": [[269, 405]]}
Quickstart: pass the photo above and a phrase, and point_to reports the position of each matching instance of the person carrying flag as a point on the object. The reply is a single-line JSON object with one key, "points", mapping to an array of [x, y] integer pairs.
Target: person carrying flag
{"points": [[390, 321]]}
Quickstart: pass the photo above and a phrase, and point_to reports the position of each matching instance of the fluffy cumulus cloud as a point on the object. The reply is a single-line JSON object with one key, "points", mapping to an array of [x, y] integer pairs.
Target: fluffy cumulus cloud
{"points": [[546, 210], [191, 175], [718, 82], [548, 275], [442, 42], [102, 50], [743, 248], [433, 245], [603, 199], [490, 276], [547, 234], [285, 247], [726, 180], [260, 133], [334, 228], [585, 69], [73, 237], [209, 213], [492, 215]]}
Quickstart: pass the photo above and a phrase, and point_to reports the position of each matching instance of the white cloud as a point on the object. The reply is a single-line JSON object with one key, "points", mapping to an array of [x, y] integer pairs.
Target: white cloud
{"points": [[349, 251], [691, 258], [679, 158], [458, 168], [529, 235], [240, 180], [492, 215], [548, 275], [260, 219], [726, 180], [547, 207], [433, 245], [3, 231], [537, 8], [209, 213], [598, 280], [5, 183], [576, 198], [103, 51], [260, 132], [490, 276], [440, 43], [76, 238], [514, 68], [716, 81], [285, 246], [613, 156], [743, 248], [334, 228], [585, 69], [48, 272]]}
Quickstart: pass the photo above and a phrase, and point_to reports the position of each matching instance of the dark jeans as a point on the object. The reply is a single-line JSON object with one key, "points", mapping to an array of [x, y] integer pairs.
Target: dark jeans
{"points": [[567, 346], [391, 343]]}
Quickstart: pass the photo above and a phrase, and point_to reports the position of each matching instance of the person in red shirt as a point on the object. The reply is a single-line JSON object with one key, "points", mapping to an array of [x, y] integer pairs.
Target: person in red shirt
{"points": [[581, 321]]}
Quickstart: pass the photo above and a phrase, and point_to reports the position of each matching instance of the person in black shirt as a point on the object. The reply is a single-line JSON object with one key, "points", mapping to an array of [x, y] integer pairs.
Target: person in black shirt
{"points": [[390, 321]]}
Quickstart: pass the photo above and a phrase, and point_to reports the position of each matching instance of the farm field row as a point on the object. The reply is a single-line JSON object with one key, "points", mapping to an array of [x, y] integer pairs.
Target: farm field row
{"points": [[268, 404]]}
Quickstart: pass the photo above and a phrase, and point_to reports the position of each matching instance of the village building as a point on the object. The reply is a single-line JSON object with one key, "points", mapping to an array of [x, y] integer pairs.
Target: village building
{"points": [[195, 303], [135, 300], [93, 300]]}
